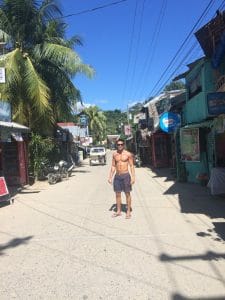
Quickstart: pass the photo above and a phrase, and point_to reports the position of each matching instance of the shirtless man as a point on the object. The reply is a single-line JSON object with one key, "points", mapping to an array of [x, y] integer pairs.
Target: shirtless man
{"points": [[123, 168]]}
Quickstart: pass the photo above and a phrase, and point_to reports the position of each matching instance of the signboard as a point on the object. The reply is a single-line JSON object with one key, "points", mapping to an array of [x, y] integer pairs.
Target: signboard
{"points": [[2, 75], [5, 111], [169, 122], [127, 129], [3, 187], [83, 120], [216, 103], [189, 142]]}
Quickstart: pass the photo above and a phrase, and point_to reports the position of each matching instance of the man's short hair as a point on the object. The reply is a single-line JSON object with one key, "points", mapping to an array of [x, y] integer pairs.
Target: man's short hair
{"points": [[120, 140]]}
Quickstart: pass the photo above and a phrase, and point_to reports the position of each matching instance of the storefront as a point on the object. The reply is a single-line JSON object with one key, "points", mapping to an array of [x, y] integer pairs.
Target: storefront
{"points": [[14, 153], [197, 150]]}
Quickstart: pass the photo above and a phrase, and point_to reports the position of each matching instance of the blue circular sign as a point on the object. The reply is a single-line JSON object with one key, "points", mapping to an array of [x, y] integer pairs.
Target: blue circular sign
{"points": [[169, 121]]}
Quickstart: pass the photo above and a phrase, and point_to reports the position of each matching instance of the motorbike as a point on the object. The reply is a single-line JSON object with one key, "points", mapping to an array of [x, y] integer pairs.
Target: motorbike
{"points": [[137, 161], [55, 176], [65, 168]]}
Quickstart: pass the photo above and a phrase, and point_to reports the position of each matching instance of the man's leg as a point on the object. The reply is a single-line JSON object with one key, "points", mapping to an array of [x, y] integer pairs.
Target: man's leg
{"points": [[128, 199], [118, 202]]}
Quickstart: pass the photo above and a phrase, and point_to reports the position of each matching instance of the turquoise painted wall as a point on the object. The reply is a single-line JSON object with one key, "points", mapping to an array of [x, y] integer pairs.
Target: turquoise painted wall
{"points": [[194, 168], [195, 111]]}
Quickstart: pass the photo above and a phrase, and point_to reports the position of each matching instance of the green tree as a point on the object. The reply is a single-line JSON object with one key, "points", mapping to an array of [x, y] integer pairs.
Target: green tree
{"points": [[97, 123], [175, 85], [40, 63], [115, 119]]}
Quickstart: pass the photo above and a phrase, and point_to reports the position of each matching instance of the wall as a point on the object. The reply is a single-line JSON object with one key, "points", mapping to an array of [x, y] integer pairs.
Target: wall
{"points": [[195, 109]]}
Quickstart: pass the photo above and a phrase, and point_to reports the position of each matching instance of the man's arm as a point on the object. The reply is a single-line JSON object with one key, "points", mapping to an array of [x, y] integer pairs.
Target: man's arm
{"points": [[112, 171], [131, 164]]}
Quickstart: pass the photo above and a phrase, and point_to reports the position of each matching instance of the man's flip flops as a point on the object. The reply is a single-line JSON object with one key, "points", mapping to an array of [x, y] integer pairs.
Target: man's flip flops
{"points": [[116, 215]]}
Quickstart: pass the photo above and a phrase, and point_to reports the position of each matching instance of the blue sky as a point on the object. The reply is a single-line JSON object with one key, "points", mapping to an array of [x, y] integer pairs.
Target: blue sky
{"points": [[130, 45]]}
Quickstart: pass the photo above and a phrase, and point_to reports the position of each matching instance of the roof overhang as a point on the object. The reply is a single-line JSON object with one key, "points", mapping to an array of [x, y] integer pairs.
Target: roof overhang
{"points": [[14, 126]]}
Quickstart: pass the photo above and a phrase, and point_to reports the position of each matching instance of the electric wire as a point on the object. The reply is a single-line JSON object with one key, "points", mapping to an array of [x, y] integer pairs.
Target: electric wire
{"points": [[151, 47], [129, 55], [183, 59], [138, 44], [182, 45], [92, 9]]}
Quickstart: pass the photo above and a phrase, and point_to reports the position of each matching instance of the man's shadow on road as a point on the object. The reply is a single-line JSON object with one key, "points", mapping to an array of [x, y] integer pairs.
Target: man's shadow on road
{"points": [[123, 208]]}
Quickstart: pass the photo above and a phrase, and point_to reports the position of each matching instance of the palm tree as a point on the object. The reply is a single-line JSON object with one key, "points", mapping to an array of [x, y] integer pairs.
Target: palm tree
{"points": [[40, 62], [97, 123]]}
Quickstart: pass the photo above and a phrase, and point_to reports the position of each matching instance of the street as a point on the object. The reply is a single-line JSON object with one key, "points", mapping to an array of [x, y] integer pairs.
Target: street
{"points": [[61, 242]]}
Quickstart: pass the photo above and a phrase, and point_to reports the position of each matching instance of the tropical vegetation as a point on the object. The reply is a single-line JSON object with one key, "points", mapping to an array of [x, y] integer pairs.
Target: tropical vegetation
{"points": [[40, 63], [97, 123]]}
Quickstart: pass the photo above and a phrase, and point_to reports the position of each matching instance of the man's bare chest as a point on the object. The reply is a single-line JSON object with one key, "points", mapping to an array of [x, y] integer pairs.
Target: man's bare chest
{"points": [[121, 158]]}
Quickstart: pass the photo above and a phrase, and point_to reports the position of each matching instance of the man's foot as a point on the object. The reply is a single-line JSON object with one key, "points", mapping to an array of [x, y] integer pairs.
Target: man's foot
{"points": [[116, 214], [128, 216]]}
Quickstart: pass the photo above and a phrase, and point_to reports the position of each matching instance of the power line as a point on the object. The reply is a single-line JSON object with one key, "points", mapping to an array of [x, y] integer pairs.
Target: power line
{"points": [[138, 43], [152, 46], [129, 54], [185, 58], [92, 9], [182, 45]]}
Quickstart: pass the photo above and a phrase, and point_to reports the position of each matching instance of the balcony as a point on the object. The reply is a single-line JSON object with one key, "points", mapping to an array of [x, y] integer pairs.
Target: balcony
{"points": [[220, 84]]}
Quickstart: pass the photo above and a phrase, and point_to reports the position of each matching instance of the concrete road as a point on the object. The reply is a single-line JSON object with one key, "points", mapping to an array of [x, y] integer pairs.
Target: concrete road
{"points": [[60, 241]]}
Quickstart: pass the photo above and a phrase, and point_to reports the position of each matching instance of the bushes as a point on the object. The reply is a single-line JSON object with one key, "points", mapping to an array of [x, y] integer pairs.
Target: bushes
{"points": [[41, 150]]}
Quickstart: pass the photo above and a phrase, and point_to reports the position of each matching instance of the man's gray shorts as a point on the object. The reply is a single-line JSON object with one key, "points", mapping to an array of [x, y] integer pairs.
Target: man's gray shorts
{"points": [[122, 183]]}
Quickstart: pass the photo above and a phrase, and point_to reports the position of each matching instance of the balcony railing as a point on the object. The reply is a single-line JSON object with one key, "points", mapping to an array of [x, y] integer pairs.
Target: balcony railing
{"points": [[220, 84]]}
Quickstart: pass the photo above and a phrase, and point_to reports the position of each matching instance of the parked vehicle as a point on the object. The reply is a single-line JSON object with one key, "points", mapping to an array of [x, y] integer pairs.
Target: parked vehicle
{"points": [[65, 168], [97, 156], [137, 161], [56, 175]]}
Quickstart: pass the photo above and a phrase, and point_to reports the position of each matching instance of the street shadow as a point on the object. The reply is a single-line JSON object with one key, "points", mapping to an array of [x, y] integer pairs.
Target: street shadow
{"points": [[180, 297], [196, 199], [168, 173], [81, 171], [209, 256], [14, 243]]}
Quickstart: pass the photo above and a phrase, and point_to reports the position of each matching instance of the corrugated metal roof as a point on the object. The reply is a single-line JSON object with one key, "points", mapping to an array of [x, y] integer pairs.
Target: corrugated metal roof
{"points": [[14, 125]]}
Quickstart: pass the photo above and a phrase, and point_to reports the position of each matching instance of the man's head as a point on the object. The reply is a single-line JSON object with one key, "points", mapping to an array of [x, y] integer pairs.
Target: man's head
{"points": [[120, 144]]}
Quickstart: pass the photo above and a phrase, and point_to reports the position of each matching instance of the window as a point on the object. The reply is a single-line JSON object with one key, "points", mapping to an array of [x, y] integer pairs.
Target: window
{"points": [[194, 86]]}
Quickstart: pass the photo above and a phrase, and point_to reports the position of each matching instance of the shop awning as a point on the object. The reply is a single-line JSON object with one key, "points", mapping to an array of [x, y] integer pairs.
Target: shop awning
{"points": [[200, 125], [13, 125]]}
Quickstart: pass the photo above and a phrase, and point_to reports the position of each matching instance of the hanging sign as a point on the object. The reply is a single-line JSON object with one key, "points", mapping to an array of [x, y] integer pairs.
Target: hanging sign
{"points": [[169, 121], [5, 111], [83, 120], [2, 75], [127, 129]]}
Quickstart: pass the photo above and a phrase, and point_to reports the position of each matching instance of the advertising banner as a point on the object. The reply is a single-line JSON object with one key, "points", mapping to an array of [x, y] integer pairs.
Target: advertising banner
{"points": [[189, 141], [216, 103], [169, 121], [127, 129]]}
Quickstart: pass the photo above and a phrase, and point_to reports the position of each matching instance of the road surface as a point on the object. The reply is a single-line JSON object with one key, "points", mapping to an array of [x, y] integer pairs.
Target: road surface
{"points": [[60, 241]]}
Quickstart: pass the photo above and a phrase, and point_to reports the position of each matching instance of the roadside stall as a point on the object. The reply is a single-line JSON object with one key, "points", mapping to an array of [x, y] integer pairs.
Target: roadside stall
{"points": [[14, 153]]}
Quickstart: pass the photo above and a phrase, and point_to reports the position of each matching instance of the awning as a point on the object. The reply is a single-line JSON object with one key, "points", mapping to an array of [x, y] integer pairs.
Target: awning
{"points": [[200, 125], [13, 125]]}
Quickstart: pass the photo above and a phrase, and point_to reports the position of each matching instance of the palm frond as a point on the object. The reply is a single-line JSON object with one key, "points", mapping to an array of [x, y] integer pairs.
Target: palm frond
{"points": [[64, 58], [49, 10], [36, 89], [12, 62], [5, 24]]}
